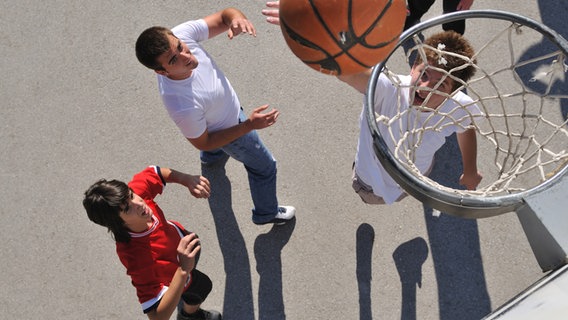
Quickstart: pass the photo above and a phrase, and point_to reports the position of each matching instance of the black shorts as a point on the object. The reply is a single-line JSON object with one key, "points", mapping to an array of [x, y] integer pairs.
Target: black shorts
{"points": [[198, 289]]}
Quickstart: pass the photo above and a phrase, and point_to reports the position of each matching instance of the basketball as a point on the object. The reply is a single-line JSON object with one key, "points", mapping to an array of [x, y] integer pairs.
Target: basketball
{"points": [[340, 37]]}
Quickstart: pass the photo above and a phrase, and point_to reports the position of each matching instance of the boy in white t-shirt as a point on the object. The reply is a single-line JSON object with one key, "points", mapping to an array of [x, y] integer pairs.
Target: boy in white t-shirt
{"points": [[370, 180], [203, 104], [454, 112]]}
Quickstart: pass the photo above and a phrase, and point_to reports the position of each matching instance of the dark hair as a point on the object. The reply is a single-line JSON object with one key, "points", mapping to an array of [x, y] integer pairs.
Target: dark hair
{"points": [[104, 201], [455, 43], [152, 43]]}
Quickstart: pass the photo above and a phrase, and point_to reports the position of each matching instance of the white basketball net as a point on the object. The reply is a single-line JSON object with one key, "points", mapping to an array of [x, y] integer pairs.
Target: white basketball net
{"points": [[522, 133]]}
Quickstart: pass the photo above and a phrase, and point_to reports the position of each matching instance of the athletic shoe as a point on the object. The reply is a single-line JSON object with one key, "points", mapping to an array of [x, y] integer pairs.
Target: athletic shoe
{"points": [[285, 214], [200, 315]]}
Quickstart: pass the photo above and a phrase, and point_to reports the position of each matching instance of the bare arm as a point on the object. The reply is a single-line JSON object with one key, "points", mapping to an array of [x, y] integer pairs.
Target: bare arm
{"points": [[198, 186], [257, 120], [231, 20], [359, 81], [467, 141], [187, 249]]}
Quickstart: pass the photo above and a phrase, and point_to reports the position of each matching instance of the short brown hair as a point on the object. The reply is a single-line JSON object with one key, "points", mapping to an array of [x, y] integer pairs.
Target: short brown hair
{"points": [[152, 43], [455, 43]]}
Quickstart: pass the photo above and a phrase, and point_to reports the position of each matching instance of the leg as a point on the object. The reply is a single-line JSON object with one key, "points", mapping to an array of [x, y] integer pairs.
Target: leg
{"points": [[213, 157], [457, 26], [195, 293], [416, 9], [365, 191], [261, 170]]}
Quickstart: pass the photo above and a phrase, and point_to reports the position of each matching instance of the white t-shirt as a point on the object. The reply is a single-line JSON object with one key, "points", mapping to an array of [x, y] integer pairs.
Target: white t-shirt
{"points": [[449, 118], [205, 100]]}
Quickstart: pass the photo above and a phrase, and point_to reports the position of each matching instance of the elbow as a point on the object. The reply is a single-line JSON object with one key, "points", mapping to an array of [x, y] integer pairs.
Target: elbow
{"points": [[199, 145]]}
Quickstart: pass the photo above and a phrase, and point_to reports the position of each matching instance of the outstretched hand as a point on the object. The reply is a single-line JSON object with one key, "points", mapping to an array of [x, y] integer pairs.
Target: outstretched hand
{"points": [[272, 14], [188, 249], [259, 120], [240, 25]]}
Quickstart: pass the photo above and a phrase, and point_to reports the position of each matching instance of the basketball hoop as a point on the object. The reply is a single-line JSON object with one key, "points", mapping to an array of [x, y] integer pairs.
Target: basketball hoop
{"points": [[523, 134]]}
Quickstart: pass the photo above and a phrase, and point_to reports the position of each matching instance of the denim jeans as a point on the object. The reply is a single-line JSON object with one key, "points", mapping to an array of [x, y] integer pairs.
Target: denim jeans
{"points": [[261, 170]]}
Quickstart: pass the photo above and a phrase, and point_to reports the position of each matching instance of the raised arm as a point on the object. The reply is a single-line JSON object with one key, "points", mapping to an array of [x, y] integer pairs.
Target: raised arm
{"points": [[359, 81], [467, 142], [231, 20]]}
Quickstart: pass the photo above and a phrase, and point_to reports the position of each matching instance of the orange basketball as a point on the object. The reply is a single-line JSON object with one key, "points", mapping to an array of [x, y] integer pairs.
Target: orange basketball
{"points": [[341, 36]]}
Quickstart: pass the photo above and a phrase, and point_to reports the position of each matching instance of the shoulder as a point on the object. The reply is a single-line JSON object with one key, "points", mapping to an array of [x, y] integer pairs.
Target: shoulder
{"points": [[393, 80], [465, 100], [148, 182], [193, 30]]}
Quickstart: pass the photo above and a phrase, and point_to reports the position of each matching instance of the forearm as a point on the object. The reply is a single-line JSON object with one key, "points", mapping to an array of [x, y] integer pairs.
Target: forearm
{"points": [[229, 14], [170, 299], [174, 176], [221, 21], [214, 140], [359, 81], [467, 142]]}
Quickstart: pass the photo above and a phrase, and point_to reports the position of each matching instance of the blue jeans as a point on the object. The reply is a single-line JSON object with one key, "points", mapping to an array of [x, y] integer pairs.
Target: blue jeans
{"points": [[261, 170]]}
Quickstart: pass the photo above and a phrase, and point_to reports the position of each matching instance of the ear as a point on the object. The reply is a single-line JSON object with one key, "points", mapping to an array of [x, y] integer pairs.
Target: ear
{"points": [[162, 72]]}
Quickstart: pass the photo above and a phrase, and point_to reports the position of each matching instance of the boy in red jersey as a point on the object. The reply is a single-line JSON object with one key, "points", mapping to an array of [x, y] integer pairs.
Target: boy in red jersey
{"points": [[159, 255]]}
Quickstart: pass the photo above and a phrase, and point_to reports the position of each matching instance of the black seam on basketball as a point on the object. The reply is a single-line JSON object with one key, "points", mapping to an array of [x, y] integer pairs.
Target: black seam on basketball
{"points": [[328, 63], [361, 40], [353, 40], [349, 39]]}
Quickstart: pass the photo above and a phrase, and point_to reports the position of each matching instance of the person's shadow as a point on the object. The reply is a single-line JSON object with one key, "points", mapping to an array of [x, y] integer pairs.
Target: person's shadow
{"points": [[268, 254], [238, 299], [455, 248], [364, 247], [409, 258]]}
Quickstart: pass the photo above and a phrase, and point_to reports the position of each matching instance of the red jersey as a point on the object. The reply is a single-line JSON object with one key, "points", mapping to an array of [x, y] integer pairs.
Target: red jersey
{"points": [[150, 257]]}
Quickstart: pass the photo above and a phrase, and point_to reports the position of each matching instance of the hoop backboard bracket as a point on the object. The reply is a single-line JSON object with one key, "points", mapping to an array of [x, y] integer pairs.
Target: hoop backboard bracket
{"points": [[545, 299], [544, 218]]}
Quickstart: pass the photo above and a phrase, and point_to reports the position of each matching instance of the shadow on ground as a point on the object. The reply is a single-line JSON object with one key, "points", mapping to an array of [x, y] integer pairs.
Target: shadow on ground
{"points": [[238, 299]]}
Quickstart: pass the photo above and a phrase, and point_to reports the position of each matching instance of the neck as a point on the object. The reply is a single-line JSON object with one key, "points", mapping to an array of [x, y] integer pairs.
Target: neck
{"points": [[180, 77]]}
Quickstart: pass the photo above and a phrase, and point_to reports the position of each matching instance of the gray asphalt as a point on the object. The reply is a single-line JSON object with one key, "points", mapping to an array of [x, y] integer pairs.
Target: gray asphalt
{"points": [[77, 106]]}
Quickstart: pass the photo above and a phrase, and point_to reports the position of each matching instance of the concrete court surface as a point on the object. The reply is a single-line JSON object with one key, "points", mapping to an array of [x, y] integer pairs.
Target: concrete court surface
{"points": [[77, 106]]}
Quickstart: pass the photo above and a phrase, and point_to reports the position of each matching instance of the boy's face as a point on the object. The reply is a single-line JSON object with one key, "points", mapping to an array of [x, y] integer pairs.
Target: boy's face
{"points": [[136, 214], [178, 61], [426, 77]]}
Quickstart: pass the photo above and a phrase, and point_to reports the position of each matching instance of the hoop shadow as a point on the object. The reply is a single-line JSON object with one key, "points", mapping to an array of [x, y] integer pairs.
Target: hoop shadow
{"points": [[365, 241], [268, 254], [551, 16], [238, 298], [455, 249]]}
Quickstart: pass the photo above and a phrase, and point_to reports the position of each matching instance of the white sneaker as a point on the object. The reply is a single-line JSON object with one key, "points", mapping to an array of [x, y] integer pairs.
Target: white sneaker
{"points": [[285, 214]]}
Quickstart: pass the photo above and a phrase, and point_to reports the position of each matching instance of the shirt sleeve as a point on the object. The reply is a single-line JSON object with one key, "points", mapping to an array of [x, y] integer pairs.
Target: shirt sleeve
{"points": [[193, 30], [148, 183]]}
